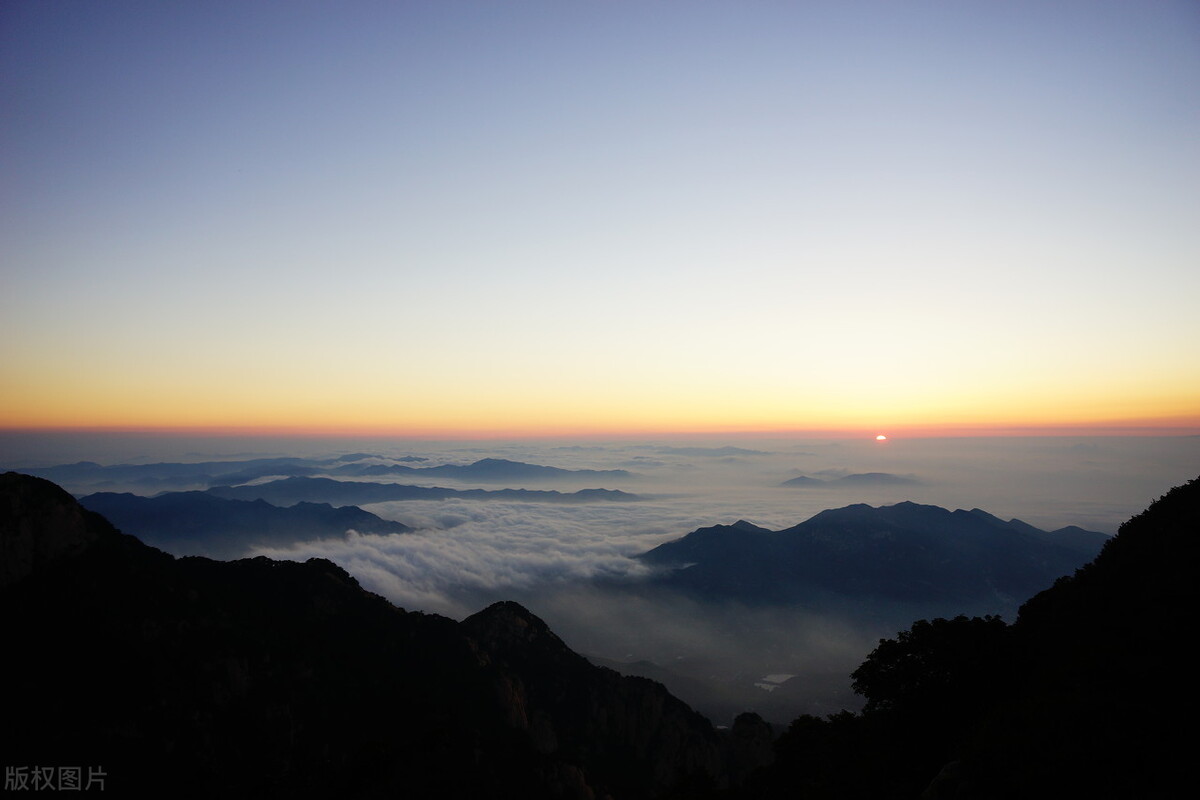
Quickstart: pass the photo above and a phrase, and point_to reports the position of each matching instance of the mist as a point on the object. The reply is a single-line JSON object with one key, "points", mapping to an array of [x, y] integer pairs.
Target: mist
{"points": [[576, 566]]}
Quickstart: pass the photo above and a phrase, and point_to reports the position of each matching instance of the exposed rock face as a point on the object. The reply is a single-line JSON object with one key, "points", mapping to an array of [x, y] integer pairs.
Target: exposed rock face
{"points": [[258, 678], [643, 737]]}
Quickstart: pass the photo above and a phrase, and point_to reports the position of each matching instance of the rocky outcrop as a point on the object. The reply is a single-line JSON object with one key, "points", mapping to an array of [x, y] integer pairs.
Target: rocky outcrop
{"points": [[637, 736]]}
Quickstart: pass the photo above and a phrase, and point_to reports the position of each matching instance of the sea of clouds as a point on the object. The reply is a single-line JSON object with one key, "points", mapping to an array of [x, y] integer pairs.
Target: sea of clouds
{"points": [[575, 565]]}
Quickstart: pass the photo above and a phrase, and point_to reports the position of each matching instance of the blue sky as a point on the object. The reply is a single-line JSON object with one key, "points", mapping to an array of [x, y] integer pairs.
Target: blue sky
{"points": [[620, 216]]}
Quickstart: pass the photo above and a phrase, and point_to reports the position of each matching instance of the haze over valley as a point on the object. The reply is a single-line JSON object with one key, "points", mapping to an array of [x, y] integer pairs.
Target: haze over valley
{"points": [[468, 524]]}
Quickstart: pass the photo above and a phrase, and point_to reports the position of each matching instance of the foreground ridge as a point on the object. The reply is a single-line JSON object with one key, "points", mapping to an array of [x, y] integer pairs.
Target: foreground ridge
{"points": [[1081, 697], [267, 678], [259, 678]]}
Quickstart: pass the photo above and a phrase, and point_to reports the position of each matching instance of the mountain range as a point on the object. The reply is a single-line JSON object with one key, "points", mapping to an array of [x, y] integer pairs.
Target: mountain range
{"points": [[84, 477], [259, 678], [204, 524], [490, 470], [856, 480], [289, 491], [905, 554]]}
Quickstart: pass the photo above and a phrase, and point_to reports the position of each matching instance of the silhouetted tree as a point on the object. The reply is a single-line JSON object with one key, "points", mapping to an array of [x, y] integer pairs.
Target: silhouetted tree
{"points": [[939, 672]]}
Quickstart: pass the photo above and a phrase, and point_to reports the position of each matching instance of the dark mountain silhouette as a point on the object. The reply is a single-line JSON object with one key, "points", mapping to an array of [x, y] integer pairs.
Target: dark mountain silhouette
{"points": [[258, 678], [289, 491], [802, 481], [1086, 695], [568, 705], [87, 476], [715, 452], [857, 480], [499, 470], [364, 456], [202, 524], [915, 555], [677, 683], [373, 470]]}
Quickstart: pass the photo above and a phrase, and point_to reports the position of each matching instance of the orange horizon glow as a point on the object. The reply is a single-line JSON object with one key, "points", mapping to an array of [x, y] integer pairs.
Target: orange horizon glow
{"points": [[1177, 426], [373, 278]]}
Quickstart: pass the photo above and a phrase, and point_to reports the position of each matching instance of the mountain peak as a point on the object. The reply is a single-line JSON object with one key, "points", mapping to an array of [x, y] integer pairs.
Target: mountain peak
{"points": [[907, 552], [508, 624], [39, 523], [514, 637]]}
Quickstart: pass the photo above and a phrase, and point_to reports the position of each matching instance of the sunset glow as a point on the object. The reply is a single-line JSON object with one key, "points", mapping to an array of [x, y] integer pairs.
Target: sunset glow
{"points": [[579, 220]]}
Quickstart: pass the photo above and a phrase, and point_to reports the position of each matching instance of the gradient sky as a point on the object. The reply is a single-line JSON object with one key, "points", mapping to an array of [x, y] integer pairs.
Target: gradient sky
{"points": [[571, 217]]}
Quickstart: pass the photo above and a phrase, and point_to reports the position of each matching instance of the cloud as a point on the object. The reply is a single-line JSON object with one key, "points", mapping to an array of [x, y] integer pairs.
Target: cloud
{"points": [[573, 564], [468, 553], [574, 568], [465, 553]]}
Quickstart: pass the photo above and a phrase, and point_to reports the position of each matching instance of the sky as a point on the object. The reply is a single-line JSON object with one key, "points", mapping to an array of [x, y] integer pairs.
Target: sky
{"points": [[523, 218]]}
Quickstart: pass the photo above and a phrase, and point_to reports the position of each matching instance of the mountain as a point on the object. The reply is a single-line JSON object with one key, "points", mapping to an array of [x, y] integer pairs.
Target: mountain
{"points": [[88, 476], [290, 491], [803, 481], [499, 470], [260, 678], [203, 524], [1104, 672], [1087, 694], [910, 554], [857, 480], [715, 452], [567, 704]]}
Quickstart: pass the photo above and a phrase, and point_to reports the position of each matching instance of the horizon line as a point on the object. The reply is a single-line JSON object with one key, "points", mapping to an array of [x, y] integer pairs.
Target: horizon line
{"points": [[1116, 428]]}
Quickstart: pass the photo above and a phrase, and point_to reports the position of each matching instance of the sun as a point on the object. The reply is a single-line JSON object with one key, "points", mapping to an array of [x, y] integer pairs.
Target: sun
{"points": [[881, 438]]}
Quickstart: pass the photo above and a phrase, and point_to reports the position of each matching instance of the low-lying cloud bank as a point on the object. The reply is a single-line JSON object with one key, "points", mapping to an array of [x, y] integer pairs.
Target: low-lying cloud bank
{"points": [[465, 554], [573, 564], [575, 568]]}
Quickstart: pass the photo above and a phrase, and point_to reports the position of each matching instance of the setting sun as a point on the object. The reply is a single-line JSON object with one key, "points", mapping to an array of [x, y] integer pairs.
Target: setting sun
{"points": [[881, 438]]}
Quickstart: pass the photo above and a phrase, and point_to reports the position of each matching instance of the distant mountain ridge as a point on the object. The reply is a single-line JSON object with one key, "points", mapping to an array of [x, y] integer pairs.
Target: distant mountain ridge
{"points": [[171, 475], [289, 491], [85, 477], [204, 524], [492, 470], [853, 480], [903, 553]]}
